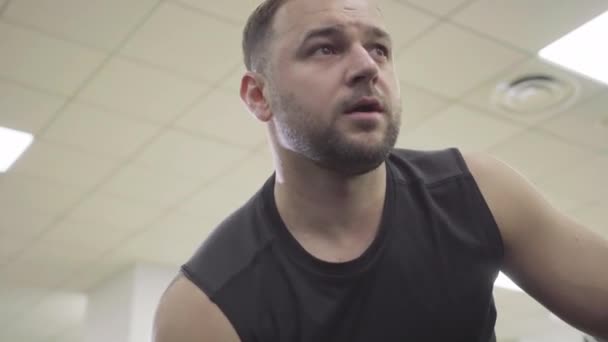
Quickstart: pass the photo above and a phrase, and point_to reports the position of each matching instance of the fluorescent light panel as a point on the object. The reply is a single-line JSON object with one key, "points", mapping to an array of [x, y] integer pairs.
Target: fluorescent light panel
{"points": [[12, 145], [583, 50]]}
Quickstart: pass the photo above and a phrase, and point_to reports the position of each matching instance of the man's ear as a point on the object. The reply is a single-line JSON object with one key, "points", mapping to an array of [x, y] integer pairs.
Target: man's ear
{"points": [[252, 93]]}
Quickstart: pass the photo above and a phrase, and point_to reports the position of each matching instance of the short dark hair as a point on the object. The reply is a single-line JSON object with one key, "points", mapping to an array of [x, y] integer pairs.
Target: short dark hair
{"points": [[258, 32]]}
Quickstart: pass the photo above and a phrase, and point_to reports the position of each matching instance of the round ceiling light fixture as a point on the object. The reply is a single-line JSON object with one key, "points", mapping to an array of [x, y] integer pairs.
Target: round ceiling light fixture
{"points": [[535, 94]]}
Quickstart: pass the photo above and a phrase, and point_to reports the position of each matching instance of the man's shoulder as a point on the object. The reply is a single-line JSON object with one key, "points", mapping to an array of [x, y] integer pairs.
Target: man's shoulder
{"points": [[427, 166], [230, 247]]}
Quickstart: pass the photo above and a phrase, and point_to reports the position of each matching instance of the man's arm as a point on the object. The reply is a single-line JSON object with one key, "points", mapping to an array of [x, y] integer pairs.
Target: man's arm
{"points": [[185, 314], [553, 258]]}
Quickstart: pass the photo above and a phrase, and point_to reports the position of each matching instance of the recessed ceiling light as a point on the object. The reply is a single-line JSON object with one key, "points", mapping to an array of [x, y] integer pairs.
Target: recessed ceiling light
{"points": [[504, 282], [12, 145], [583, 50]]}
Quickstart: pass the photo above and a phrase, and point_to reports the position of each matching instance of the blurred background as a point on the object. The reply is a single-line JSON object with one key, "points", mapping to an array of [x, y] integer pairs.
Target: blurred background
{"points": [[142, 145]]}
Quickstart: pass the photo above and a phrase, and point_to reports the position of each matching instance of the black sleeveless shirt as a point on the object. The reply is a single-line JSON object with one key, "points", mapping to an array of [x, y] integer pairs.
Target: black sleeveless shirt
{"points": [[427, 276]]}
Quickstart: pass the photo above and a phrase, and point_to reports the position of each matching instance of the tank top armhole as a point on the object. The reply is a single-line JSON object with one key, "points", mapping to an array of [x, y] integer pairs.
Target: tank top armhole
{"points": [[185, 270], [494, 232]]}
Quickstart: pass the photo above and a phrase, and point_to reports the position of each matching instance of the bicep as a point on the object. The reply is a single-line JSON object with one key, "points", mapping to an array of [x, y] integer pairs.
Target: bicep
{"points": [[552, 257], [185, 314]]}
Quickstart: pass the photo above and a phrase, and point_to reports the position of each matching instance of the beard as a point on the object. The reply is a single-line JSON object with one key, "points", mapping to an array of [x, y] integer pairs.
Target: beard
{"points": [[298, 130]]}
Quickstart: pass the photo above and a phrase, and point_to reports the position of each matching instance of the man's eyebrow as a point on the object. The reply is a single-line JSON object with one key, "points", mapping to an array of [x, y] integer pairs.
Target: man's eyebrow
{"points": [[338, 30], [326, 31], [378, 33]]}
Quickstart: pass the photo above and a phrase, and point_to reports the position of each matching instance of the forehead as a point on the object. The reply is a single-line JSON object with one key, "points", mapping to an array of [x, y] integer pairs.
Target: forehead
{"points": [[298, 16]]}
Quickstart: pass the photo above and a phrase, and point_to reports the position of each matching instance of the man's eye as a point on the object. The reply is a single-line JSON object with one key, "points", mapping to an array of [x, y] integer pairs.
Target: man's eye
{"points": [[325, 50], [381, 51]]}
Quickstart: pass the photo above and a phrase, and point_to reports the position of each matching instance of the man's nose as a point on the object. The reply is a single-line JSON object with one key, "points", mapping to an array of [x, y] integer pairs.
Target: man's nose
{"points": [[363, 67]]}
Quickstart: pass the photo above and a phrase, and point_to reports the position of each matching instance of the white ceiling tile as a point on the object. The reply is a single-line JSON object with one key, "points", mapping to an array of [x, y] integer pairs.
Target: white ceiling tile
{"points": [[419, 105], [57, 254], [188, 42], [88, 278], [579, 89], [73, 334], [178, 154], [528, 24], [45, 62], [226, 194], [173, 240], [594, 217], [472, 59], [62, 165], [53, 315], [233, 10], [440, 7], [37, 195], [10, 246], [19, 219], [41, 275], [146, 185], [18, 300], [93, 236], [116, 212], [224, 116], [564, 202], [459, 127], [82, 21], [537, 155], [141, 91], [26, 109], [404, 23], [580, 181], [232, 83], [587, 123], [95, 131]]}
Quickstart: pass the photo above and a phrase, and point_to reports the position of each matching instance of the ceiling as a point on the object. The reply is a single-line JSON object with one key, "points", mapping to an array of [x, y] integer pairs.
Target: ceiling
{"points": [[142, 144]]}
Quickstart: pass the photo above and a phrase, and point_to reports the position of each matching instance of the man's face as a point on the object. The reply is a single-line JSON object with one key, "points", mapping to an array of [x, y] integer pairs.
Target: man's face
{"points": [[332, 86]]}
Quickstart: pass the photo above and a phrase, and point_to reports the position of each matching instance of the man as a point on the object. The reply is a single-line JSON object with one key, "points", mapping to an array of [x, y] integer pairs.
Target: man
{"points": [[353, 240]]}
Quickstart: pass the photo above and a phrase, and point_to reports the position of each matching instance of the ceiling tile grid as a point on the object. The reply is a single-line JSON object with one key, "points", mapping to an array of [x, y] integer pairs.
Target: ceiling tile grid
{"points": [[22, 222], [85, 22], [100, 132], [179, 154], [127, 87], [585, 124], [26, 109], [144, 184], [37, 195], [223, 116], [158, 131], [472, 59], [56, 163], [530, 25], [45, 62], [538, 155], [461, 127], [236, 11], [419, 105], [438, 7], [580, 180], [186, 41], [114, 211], [404, 23]]}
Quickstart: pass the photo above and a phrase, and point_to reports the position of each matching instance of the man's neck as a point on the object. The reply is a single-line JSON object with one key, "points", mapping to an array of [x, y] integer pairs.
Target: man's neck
{"points": [[316, 201]]}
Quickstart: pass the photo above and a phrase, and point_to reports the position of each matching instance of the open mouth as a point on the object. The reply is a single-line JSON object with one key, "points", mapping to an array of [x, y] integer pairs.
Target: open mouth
{"points": [[368, 105]]}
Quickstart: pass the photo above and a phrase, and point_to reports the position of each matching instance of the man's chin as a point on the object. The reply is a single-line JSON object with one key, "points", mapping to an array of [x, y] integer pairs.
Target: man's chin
{"points": [[356, 159]]}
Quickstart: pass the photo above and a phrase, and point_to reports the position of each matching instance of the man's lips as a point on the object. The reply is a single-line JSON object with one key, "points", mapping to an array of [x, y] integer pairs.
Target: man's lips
{"points": [[365, 105]]}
